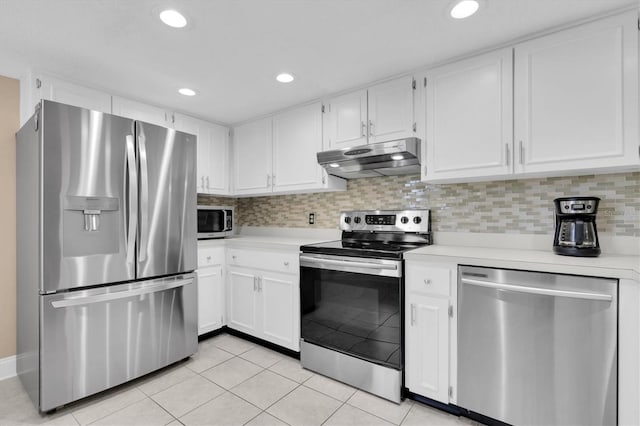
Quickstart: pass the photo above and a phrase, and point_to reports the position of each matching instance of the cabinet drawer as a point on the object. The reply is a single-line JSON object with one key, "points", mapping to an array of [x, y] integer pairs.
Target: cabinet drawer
{"points": [[429, 280], [210, 256], [270, 261]]}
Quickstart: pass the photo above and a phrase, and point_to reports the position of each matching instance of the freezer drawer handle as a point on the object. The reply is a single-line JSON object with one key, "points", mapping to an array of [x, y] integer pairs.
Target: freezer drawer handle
{"points": [[101, 298], [537, 290]]}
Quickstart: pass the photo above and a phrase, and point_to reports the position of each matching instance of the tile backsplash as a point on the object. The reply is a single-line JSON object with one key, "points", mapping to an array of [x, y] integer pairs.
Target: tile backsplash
{"points": [[515, 206]]}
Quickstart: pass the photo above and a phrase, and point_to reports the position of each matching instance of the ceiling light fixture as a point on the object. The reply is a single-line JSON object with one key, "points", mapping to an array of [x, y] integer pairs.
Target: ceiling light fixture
{"points": [[186, 92], [284, 78], [464, 9], [173, 18]]}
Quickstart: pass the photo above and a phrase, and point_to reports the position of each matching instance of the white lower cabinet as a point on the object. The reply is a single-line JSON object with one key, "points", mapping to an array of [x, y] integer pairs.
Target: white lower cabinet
{"points": [[430, 331], [211, 300], [264, 295]]}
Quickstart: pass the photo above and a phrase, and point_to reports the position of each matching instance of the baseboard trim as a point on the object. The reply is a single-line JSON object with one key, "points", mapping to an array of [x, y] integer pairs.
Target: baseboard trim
{"points": [[8, 367]]}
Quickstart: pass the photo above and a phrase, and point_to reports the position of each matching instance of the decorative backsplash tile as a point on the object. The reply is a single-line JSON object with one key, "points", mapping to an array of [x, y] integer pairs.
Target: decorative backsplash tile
{"points": [[515, 206]]}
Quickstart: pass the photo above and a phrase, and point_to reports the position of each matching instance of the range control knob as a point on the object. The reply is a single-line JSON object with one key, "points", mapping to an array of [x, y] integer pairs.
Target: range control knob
{"points": [[404, 219], [417, 220], [347, 219], [357, 219]]}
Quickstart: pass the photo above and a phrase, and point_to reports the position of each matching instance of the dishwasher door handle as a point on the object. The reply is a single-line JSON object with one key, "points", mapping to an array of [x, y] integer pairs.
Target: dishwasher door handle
{"points": [[537, 290]]}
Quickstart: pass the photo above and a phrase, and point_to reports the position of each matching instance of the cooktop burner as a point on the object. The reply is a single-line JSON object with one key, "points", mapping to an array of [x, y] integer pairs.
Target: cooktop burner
{"points": [[384, 234]]}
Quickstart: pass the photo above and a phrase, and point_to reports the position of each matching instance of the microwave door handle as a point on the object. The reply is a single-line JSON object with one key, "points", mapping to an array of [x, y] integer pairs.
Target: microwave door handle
{"points": [[224, 220]]}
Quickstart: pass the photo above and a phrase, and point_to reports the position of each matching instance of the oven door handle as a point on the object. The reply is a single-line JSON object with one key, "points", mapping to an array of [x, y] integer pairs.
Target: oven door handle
{"points": [[366, 265]]}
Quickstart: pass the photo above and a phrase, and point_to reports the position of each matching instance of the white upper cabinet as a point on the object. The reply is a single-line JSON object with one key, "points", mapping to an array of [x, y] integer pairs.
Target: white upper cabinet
{"points": [[345, 120], [469, 118], [576, 98], [297, 137], [213, 154], [380, 113], [143, 112], [53, 89], [278, 154], [252, 143], [391, 110]]}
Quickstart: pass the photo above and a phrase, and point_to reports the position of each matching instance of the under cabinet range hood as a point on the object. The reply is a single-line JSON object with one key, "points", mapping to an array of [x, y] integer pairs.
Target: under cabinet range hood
{"points": [[398, 157]]}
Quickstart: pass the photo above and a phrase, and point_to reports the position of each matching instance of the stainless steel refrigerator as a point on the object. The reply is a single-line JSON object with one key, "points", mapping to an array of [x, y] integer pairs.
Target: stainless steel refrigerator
{"points": [[106, 251]]}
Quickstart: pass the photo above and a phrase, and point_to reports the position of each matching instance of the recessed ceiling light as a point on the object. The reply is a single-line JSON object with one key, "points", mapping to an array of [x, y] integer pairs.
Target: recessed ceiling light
{"points": [[173, 18], [397, 157], [464, 9], [186, 92], [284, 78]]}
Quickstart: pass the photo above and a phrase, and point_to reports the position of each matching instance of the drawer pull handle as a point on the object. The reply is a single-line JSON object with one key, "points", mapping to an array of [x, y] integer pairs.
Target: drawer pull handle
{"points": [[233, 257], [208, 257], [428, 281]]}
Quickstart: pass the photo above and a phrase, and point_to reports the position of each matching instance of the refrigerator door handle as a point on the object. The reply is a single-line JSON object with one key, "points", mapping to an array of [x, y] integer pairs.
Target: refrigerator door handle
{"points": [[107, 297], [144, 199], [133, 200]]}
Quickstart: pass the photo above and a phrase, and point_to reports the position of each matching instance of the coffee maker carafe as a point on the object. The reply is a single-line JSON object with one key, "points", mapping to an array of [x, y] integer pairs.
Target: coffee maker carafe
{"points": [[576, 233]]}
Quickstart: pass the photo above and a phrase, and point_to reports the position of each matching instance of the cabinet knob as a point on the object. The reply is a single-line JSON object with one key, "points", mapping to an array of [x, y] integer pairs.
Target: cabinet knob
{"points": [[428, 281], [286, 264], [208, 257], [233, 257]]}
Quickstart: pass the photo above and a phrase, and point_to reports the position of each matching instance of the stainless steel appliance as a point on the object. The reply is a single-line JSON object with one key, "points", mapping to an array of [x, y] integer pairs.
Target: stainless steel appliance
{"points": [[215, 222], [576, 233], [398, 157], [106, 249], [537, 348], [352, 299]]}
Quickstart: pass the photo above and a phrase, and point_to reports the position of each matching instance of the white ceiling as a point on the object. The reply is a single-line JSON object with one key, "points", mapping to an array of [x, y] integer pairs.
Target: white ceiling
{"points": [[232, 49]]}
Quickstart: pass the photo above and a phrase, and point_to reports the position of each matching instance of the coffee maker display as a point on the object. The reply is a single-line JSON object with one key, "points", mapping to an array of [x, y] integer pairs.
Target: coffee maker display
{"points": [[576, 233]]}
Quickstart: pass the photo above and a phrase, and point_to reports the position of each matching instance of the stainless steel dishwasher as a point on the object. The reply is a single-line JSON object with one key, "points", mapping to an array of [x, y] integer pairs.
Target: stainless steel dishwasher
{"points": [[537, 348]]}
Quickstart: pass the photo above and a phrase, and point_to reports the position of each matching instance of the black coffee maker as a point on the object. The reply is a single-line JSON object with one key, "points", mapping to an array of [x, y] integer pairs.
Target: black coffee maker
{"points": [[576, 233]]}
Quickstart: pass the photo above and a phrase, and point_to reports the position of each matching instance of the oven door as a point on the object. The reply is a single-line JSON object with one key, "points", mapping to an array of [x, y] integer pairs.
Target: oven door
{"points": [[354, 306]]}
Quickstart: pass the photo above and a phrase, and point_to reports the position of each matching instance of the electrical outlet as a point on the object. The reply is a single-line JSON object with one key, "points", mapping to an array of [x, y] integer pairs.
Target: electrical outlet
{"points": [[312, 218]]}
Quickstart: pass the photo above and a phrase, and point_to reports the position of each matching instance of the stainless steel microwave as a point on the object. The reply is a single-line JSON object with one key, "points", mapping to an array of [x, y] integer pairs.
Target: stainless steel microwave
{"points": [[215, 222]]}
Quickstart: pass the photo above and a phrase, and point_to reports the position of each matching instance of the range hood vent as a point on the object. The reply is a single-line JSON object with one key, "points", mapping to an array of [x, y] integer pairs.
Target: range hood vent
{"points": [[399, 157]]}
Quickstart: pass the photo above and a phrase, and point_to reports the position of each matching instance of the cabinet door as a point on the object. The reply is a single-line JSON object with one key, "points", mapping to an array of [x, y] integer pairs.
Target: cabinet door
{"points": [[139, 111], [210, 299], [391, 110], [469, 118], [297, 137], [218, 137], [252, 157], [576, 98], [57, 90], [242, 293], [213, 154], [345, 120], [427, 355], [280, 299]]}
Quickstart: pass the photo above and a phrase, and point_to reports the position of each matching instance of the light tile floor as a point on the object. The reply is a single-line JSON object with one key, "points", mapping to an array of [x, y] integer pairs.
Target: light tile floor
{"points": [[228, 382]]}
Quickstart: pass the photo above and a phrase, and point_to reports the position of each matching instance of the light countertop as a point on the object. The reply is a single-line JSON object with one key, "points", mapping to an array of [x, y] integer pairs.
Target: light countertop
{"points": [[532, 258], [606, 265]]}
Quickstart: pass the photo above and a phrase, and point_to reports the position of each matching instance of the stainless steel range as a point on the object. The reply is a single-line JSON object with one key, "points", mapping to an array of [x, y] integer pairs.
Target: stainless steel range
{"points": [[352, 299]]}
